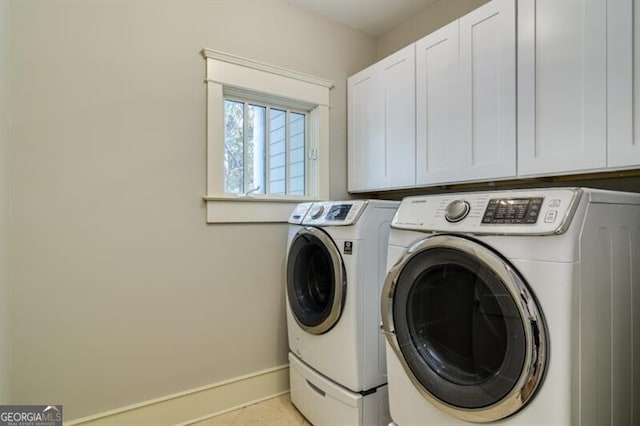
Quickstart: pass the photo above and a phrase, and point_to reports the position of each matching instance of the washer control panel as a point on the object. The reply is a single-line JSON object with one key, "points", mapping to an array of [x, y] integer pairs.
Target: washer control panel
{"points": [[512, 210], [536, 211], [457, 210]]}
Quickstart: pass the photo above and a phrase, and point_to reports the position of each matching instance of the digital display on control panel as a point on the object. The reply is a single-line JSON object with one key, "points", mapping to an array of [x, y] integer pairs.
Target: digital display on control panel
{"points": [[338, 212], [512, 211]]}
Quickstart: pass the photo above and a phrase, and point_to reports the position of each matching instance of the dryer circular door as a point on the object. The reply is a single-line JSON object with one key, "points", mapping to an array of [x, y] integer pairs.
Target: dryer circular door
{"points": [[316, 280], [465, 327]]}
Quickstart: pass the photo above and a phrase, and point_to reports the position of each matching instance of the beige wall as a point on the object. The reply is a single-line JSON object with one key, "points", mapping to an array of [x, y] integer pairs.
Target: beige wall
{"points": [[121, 292], [430, 19], [4, 210]]}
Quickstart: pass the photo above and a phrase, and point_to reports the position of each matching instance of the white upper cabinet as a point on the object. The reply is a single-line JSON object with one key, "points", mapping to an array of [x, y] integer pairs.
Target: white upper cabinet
{"points": [[488, 92], [553, 90], [399, 90], [364, 131], [623, 47], [563, 60], [465, 98], [438, 112], [381, 114]]}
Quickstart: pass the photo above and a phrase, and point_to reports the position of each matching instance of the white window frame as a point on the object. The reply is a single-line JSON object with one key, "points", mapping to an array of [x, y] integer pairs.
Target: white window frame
{"points": [[230, 74]]}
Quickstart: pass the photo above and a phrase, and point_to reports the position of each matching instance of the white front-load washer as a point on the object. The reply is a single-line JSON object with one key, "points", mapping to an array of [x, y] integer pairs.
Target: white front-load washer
{"points": [[335, 269], [514, 307]]}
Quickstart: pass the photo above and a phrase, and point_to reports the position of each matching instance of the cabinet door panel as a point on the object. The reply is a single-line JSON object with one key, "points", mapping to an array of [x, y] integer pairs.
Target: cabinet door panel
{"points": [[561, 85], [398, 85], [623, 146], [488, 90], [437, 113], [381, 114], [366, 144]]}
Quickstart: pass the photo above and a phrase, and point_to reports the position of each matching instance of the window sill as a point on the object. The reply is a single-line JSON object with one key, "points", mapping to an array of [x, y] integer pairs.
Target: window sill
{"points": [[250, 208]]}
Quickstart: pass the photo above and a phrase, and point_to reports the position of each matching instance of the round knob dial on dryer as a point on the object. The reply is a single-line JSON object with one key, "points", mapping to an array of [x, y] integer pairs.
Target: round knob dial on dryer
{"points": [[316, 212], [456, 211]]}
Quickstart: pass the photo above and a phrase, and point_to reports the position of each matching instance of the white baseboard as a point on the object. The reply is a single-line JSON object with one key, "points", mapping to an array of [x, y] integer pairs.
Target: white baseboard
{"points": [[197, 404]]}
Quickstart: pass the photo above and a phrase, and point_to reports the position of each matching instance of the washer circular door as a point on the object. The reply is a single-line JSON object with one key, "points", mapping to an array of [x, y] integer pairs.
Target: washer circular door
{"points": [[466, 328], [316, 280]]}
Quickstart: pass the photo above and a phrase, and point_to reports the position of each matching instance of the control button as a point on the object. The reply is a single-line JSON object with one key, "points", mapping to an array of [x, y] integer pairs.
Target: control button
{"points": [[316, 212], [551, 216], [457, 210]]}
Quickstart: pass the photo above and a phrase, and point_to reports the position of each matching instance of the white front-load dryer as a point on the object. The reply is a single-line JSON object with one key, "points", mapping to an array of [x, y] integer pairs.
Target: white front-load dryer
{"points": [[335, 269], [514, 307]]}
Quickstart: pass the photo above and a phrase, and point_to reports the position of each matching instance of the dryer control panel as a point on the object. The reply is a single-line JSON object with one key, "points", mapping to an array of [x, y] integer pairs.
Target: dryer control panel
{"points": [[542, 212], [299, 212], [334, 213]]}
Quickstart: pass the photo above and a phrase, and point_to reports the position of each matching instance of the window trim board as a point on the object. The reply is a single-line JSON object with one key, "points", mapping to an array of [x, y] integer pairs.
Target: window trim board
{"points": [[229, 73], [227, 68], [239, 210]]}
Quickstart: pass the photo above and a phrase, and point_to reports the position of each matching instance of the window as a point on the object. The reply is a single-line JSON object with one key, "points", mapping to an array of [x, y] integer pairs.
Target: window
{"points": [[264, 149], [267, 139]]}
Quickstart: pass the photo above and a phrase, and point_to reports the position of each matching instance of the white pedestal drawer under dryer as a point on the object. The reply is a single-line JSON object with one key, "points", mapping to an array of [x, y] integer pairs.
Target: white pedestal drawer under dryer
{"points": [[517, 307]]}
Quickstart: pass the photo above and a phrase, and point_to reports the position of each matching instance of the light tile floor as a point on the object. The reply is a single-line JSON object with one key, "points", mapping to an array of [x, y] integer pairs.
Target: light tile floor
{"points": [[277, 411]]}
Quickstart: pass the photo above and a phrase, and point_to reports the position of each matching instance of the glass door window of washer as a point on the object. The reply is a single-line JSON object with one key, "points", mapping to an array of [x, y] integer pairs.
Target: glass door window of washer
{"points": [[466, 327]]}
